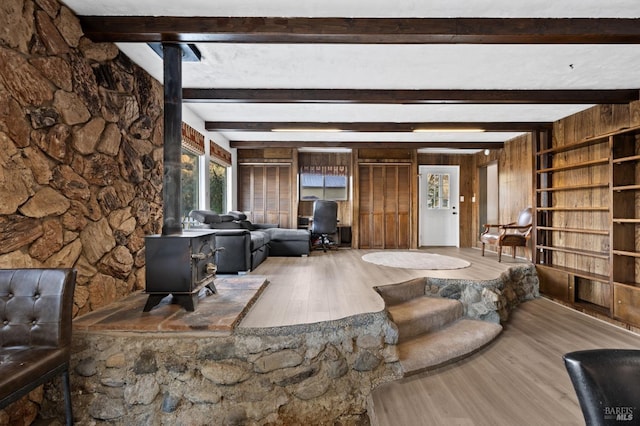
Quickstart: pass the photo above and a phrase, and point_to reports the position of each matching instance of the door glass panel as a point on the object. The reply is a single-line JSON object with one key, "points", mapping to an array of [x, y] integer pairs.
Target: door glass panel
{"points": [[438, 191]]}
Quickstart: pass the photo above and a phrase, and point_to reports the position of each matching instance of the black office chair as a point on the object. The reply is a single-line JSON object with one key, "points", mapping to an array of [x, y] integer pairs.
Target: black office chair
{"points": [[607, 382], [325, 221]]}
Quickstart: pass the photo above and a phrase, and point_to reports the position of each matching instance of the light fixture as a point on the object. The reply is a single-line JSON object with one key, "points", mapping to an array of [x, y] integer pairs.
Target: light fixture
{"points": [[453, 130], [293, 129], [487, 152]]}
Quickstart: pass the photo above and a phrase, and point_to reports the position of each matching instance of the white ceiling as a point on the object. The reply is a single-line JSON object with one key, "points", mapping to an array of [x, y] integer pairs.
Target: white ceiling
{"points": [[344, 66]]}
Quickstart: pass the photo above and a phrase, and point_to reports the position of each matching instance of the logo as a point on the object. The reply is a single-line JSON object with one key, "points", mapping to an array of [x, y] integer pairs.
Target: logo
{"points": [[621, 414]]}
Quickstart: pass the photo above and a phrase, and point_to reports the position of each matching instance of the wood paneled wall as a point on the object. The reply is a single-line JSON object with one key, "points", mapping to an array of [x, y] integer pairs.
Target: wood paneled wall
{"points": [[593, 122], [515, 174], [515, 181], [384, 220], [267, 190], [404, 224]]}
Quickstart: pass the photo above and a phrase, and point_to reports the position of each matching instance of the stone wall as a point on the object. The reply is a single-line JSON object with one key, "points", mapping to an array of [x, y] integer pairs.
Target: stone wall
{"points": [[304, 374], [80, 153], [485, 300], [490, 300]]}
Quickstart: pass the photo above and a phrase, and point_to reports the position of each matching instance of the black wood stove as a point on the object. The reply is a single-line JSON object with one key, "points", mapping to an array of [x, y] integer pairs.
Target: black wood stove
{"points": [[180, 265]]}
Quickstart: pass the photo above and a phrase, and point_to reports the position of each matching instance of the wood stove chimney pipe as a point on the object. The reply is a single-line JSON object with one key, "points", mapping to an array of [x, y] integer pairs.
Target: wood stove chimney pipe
{"points": [[171, 191]]}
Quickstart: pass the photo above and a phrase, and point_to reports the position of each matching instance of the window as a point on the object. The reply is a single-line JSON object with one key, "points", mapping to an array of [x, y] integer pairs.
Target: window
{"points": [[323, 183], [189, 176], [217, 187], [437, 191]]}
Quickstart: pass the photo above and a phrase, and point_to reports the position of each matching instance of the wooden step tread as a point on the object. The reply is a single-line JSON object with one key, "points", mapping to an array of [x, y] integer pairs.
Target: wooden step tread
{"points": [[446, 345]]}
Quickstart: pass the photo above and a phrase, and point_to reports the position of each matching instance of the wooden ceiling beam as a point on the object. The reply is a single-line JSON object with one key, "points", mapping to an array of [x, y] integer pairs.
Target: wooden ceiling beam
{"points": [[246, 126], [354, 145], [359, 96], [362, 30]]}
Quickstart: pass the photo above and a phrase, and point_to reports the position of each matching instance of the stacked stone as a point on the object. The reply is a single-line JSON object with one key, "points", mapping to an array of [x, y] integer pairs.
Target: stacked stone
{"points": [[304, 374], [491, 300], [80, 153]]}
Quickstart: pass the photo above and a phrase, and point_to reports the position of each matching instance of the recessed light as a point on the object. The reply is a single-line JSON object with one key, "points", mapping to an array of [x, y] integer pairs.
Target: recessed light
{"points": [[453, 130], [293, 129]]}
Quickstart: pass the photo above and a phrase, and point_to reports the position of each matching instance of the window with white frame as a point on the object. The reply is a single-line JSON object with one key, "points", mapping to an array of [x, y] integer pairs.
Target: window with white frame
{"points": [[190, 175], [217, 187], [323, 183]]}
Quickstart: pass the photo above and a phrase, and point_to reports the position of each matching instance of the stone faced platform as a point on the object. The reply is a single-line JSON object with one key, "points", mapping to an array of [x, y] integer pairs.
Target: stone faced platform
{"points": [[169, 366], [219, 312]]}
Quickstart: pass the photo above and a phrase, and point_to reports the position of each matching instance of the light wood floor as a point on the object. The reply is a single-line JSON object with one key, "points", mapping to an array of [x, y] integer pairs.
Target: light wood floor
{"points": [[519, 379], [338, 284]]}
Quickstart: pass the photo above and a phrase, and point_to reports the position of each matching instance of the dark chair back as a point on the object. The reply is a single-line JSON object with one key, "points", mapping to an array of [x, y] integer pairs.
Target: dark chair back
{"points": [[607, 382], [325, 217], [37, 305]]}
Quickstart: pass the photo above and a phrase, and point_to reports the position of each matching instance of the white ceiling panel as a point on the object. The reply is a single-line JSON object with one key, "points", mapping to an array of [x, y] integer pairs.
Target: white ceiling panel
{"points": [[389, 66]]}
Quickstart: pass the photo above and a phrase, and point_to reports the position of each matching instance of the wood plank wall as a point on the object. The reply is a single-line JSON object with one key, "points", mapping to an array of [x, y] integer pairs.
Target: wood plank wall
{"points": [[515, 181], [593, 122], [391, 157], [515, 174], [266, 184]]}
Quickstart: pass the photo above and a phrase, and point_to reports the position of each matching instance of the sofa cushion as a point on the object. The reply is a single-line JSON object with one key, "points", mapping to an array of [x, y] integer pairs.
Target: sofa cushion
{"points": [[205, 216], [226, 218], [246, 225], [259, 239], [237, 215], [283, 234]]}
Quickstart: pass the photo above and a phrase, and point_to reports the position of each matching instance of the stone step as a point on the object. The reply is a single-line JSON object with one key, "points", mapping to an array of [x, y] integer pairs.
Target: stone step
{"points": [[446, 345], [394, 294], [424, 315]]}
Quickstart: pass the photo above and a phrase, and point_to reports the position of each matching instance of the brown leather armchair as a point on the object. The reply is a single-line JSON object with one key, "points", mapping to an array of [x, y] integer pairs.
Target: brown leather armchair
{"points": [[514, 234], [35, 331]]}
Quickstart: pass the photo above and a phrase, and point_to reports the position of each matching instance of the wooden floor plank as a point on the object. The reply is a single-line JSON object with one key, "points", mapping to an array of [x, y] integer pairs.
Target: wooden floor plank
{"points": [[518, 379], [338, 284]]}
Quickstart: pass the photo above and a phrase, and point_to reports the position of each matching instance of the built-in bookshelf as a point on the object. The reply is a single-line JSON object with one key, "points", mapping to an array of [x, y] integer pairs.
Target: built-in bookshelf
{"points": [[625, 225], [587, 245]]}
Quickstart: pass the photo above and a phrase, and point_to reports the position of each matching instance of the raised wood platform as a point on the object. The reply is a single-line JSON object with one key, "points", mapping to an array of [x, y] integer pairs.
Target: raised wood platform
{"points": [[220, 312], [338, 284]]}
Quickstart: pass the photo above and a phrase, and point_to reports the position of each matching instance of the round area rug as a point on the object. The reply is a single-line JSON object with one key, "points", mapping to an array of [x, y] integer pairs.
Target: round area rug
{"points": [[414, 260]]}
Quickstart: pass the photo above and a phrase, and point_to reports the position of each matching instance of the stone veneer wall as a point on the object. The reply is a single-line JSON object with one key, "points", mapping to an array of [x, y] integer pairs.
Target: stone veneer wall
{"points": [[80, 153], [490, 300], [305, 374], [81, 134], [485, 300]]}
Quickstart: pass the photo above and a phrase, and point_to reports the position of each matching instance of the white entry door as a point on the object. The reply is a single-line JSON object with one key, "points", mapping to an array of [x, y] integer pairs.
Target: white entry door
{"points": [[439, 209]]}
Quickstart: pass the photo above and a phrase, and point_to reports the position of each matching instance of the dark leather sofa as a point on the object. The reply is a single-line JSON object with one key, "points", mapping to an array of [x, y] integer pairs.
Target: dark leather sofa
{"points": [[246, 244]]}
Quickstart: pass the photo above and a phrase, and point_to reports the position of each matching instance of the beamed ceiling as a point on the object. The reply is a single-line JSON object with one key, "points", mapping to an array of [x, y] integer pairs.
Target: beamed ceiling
{"points": [[437, 74]]}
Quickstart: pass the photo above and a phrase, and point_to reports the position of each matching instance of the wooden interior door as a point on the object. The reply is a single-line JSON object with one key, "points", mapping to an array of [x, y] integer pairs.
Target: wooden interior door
{"points": [[385, 206], [264, 193]]}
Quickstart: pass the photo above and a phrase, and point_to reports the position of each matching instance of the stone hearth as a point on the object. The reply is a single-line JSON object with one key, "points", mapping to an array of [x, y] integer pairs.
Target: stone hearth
{"points": [[170, 366], [220, 312]]}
